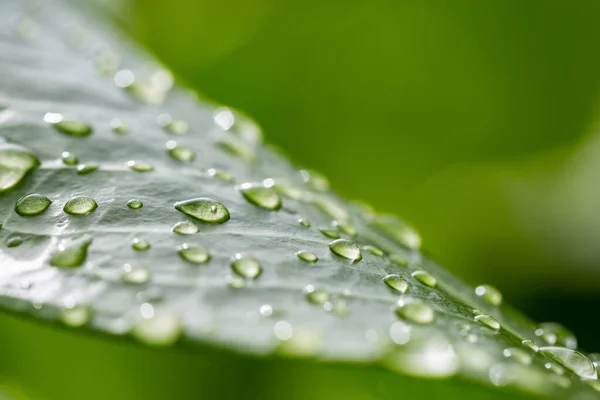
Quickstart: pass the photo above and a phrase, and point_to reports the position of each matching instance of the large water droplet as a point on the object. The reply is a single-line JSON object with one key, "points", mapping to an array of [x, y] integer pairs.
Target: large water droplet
{"points": [[69, 158], [180, 152], [32, 204], [417, 312], [425, 278], [316, 296], [194, 254], [396, 282], [80, 205], [134, 204], [185, 228], [72, 254], [76, 316], [204, 209], [490, 294], [15, 163], [347, 249], [394, 228], [572, 359], [556, 334], [139, 166], [261, 196], [140, 245], [307, 256], [67, 126], [488, 321], [161, 329], [247, 267], [330, 233]]}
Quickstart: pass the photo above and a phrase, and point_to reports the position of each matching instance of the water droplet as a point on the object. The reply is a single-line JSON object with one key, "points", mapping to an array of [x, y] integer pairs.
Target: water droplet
{"points": [[315, 180], [518, 354], [488, 321], [531, 345], [194, 254], [490, 294], [171, 125], [337, 306], [124, 78], [555, 368], [140, 245], [247, 267], [330, 233], [14, 242], [316, 296], [69, 158], [134, 204], [417, 312], [76, 316], [346, 227], [139, 166], [136, 275], [185, 228], [70, 127], [304, 223], [400, 332], [347, 249], [80, 205], [261, 196], [180, 152], [396, 282], [84, 169], [118, 127], [556, 334], [224, 118], [161, 330], [72, 254], [289, 191], [15, 163], [376, 251], [307, 256], [204, 209], [398, 260], [425, 278], [220, 175], [32, 204], [395, 229], [266, 310], [237, 148], [571, 359], [235, 282]]}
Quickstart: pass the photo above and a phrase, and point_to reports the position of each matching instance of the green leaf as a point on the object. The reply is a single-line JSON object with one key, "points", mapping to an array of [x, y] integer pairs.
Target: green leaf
{"points": [[179, 227]]}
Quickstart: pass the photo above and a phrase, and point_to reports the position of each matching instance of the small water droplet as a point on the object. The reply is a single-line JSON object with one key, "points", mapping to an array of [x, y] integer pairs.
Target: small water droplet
{"points": [[330, 233], [488, 321], [140, 245], [15, 162], [307, 256], [84, 169], [220, 175], [315, 180], [303, 223], [15, 241], [118, 126], [376, 251], [235, 282], [161, 330], [69, 158], [70, 127], [289, 191], [425, 278], [346, 227], [347, 249], [530, 344], [316, 296], [76, 316], [194, 254], [185, 228], [32, 204], [490, 294], [337, 306], [180, 152], [238, 148], [417, 312], [396, 282], [571, 359], [247, 267], [397, 230], [134, 204], [80, 205], [171, 125], [261, 196], [136, 275], [398, 260], [124, 78], [202, 209], [71, 254], [518, 354], [139, 166], [224, 118], [556, 334]]}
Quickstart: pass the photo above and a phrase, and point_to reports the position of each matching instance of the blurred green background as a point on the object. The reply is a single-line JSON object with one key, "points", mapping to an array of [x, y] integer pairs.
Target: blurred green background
{"points": [[475, 121]]}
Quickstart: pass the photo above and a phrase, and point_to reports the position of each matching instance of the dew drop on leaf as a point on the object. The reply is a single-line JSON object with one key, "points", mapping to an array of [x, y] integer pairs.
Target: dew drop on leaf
{"points": [[314, 180], [170, 125], [118, 127], [140, 245], [204, 209], [162, 329], [134, 204], [347, 249], [220, 175], [417, 312], [70, 127], [303, 222], [69, 158], [396, 282], [32, 204], [180, 152], [80, 205], [15, 162], [76, 316], [490, 294], [237, 148], [397, 230], [555, 334], [71, 254], [376, 251], [316, 296], [307, 256], [15, 241], [136, 275], [425, 278], [246, 267], [517, 354], [185, 228], [139, 166], [571, 359], [488, 321], [85, 169], [261, 196], [330, 233], [530, 344], [398, 260], [194, 254]]}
